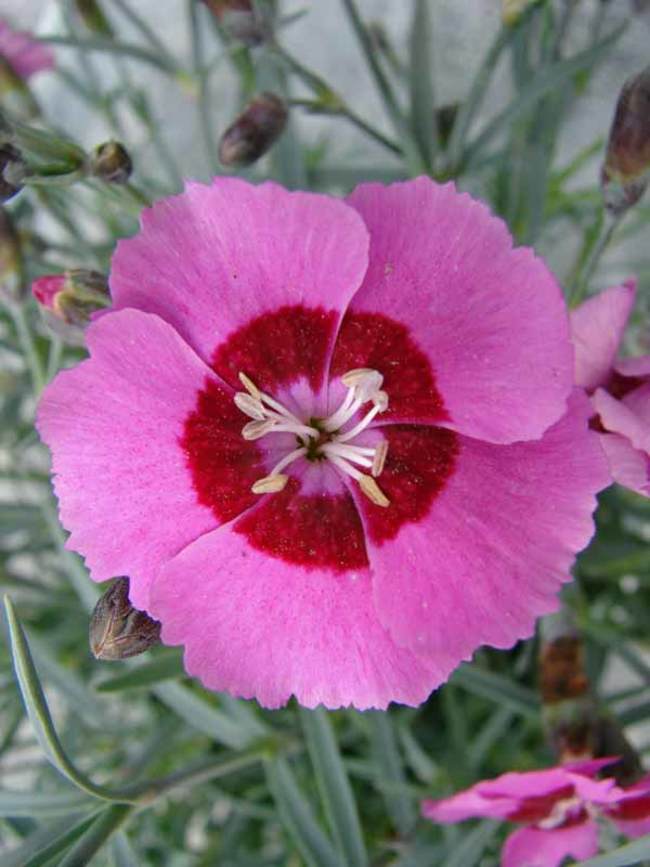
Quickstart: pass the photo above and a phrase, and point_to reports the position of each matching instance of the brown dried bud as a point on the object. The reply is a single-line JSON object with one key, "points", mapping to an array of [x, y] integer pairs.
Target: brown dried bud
{"points": [[12, 171], [111, 162], [117, 629], [626, 170], [255, 130], [241, 20]]}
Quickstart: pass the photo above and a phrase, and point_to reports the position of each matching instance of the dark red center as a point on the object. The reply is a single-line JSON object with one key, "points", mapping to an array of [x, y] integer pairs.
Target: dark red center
{"points": [[319, 530]]}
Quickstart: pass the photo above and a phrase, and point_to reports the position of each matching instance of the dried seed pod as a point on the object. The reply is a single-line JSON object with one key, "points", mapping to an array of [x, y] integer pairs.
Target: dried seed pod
{"points": [[111, 162], [11, 258], [12, 171], [117, 629], [255, 130], [625, 173], [92, 15]]}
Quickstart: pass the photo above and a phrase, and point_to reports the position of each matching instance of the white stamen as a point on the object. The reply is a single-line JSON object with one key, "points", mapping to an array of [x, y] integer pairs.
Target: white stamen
{"points": [[350, 453], [363, 424], [379, 460], [324, 439]]}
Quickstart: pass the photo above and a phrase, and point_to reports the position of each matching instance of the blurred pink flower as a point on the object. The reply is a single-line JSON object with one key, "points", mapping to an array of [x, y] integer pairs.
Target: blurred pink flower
{"points": [[558, 806], [327, 441], [619, 387], [23, 53]]}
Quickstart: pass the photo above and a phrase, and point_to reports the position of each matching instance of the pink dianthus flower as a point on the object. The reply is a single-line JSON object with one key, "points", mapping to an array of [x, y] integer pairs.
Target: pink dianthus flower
{"points": [[329, 442], [619, 387], [558, 807], [23, 53]]}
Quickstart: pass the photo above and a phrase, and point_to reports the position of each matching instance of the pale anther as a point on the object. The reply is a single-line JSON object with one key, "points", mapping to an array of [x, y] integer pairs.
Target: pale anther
{"points": [[255, 430], [372, 490], [379, 459], [249, 385], [249, 405], [270, 484]]}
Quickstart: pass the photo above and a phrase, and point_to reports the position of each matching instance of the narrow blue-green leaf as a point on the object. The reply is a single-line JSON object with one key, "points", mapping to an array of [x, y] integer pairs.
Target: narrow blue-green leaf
{"points": [[471, 849], [39, 712], [33, 804], [164, 667], [496, 688], [243, 714], [624, 856], [334, 786], [110, 46], [387, 757], [45, 843], [298, 818], [416, 757], [200, 715], [421, 82], [553, 78], [122, 852], [96, 835]]}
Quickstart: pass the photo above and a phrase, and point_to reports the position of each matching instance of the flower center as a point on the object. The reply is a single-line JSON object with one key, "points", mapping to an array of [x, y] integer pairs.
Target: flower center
{"points": [[321, 439]]}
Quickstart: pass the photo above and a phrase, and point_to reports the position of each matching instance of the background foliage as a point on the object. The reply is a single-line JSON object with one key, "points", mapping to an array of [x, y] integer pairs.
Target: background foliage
{"points": [[135, 764]]}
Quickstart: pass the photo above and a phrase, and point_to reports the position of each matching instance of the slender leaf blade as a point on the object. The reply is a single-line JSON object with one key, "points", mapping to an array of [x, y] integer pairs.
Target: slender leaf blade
{"points": [[334, 786]]}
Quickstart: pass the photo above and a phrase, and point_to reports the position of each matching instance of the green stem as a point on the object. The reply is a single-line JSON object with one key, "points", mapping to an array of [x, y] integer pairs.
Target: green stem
{"points": [[97, 43], [203, 104], [157, 46], [28, 347], [92, 840], [409, 146], [609, 225], [327, 101]]}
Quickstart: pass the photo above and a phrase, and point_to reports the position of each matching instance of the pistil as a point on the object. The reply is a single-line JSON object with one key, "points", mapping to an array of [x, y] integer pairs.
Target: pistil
{"points": [[321, 439]]}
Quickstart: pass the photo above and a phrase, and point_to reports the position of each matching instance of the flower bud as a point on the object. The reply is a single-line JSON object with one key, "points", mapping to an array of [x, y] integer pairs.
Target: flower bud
{"points": [[12, 171], [72, 297], [11, 259], [111, 162], [254, 131], [241, 20], [117, 629], [93, 17], [625, 173]]}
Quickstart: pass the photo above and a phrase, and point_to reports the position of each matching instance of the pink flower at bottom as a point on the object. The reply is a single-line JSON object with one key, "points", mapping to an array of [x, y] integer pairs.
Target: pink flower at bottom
{"points": [[619, 387], [334, 445], [558, 808], [23, 53]]}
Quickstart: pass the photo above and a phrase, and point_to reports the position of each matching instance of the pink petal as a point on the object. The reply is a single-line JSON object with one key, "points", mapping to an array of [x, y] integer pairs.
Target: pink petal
{"points": [[469, 804], [215, 258], [261, 628], [629, 466], [597, 328], [631, 814], [25, 55], [113, 424], [46, 288], [634, 367], [490, 319], [532, 847], [627, 417], [497, 542]]}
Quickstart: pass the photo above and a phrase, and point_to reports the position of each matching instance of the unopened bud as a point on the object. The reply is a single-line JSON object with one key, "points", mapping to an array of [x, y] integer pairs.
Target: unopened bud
{"points": [[12, 171], [11, 260], [72, 297], [93, 17], [241, 20], [111, 162], [626, 171], [251, 135], [117, 629]]}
